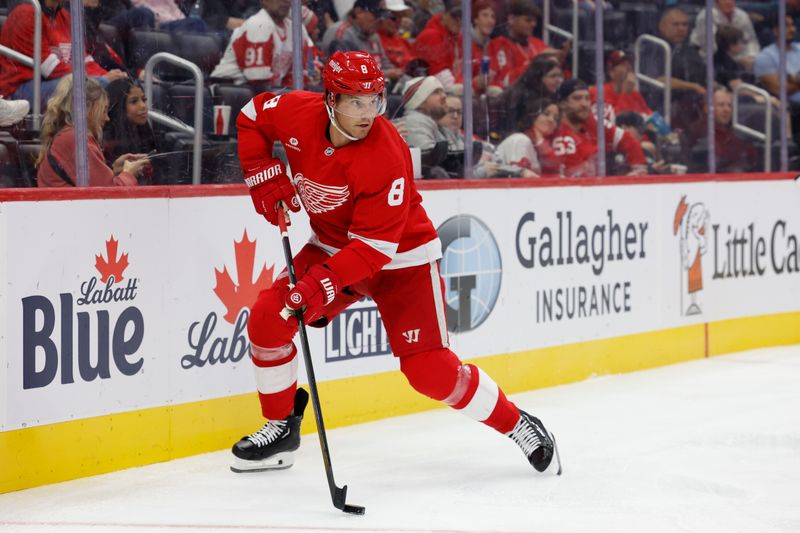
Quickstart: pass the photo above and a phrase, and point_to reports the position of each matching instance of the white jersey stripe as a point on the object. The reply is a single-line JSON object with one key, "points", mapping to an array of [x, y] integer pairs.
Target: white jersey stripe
{"points": [[249, 110], [385, 247], [438, 302], [421, 255]]}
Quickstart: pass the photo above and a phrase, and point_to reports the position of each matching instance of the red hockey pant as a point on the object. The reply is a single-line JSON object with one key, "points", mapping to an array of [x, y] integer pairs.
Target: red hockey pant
{"points": [[411, 303]]}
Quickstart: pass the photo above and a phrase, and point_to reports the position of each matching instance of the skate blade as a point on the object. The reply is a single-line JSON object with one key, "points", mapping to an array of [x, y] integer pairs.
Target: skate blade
{"points": [[555, 464], [279, 461]]}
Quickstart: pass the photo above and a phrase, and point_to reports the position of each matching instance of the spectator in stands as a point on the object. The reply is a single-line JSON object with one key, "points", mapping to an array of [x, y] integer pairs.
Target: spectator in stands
{"points": [[725, 12], [793, 11], [514, 50], [224, 16], [733, 154], [174, 15], [260, 50], [688, 68], [620, 93], [728, 71], [450, 126], [96, 44], [531, 149], [120, 14], [56, 161], [397, 48], [541, 79], [128, 130], [359, 32], [12, 111], [16, 79], [425, 103], [439, 44], [575, 143], [767, 67], [484, 20], [633, 124]]}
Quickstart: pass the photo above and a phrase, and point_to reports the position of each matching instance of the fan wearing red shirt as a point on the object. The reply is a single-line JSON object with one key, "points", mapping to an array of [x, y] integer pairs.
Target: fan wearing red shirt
{"points": [[16, 79], [575, 142], [620, 94], [370, 237], [511, 54]]}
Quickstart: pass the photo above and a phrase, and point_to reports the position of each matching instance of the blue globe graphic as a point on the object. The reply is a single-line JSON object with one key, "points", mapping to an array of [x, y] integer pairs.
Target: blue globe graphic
{"points": [[472, 271]]}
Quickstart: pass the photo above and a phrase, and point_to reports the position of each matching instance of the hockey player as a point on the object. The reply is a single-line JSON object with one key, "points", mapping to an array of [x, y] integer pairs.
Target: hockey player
{"points": [[371, 236]]}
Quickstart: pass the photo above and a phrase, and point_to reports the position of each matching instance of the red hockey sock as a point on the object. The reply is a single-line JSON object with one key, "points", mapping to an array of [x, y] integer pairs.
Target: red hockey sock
{"points": [[440, 375]]}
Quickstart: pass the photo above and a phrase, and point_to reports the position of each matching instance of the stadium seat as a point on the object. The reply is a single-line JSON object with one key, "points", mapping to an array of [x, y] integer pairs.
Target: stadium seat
{"points": [[641, 17], [28, 152], [180, 104], [204, 50], [586, 60], [112, 37], [8, 172], [235, 96], [143, 44]]}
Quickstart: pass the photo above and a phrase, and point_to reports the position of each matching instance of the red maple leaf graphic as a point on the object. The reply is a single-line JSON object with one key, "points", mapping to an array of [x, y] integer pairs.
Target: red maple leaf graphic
{"points": [[111, 266], [233, 296]]}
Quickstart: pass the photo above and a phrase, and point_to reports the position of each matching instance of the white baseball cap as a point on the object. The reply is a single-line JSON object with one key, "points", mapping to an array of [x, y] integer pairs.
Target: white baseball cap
{"points": [[396, 5]]}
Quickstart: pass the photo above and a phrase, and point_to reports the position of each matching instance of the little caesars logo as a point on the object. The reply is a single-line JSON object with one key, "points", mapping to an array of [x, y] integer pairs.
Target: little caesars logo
{"points": [[689, 223], [237, 297], [738, 249], [105, 334]]}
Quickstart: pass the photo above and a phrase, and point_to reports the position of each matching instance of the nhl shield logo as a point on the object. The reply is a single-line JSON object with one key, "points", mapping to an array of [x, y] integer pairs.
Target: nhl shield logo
{"points": [[328, 151]]}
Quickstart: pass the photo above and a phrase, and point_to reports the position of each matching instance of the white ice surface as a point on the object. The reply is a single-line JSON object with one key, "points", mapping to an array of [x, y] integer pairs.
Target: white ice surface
{"points": [[706, 446]]}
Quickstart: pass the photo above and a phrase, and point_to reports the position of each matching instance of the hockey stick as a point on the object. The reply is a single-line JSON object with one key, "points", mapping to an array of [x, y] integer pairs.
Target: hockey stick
{"points": [[338, 494]]}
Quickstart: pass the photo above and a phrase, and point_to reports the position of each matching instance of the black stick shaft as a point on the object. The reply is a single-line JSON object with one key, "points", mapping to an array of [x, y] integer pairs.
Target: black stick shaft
{"points": [[338, 495], [312, 380]]}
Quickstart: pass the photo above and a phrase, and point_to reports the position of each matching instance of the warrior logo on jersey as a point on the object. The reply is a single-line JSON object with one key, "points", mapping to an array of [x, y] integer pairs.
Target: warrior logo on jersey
{"points": [[319, 198], [472, 271], [689, 224]]}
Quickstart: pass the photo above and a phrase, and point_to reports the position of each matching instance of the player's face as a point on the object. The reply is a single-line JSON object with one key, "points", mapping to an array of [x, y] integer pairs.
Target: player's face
{"points": [[356, 113], [136, 107], [578, 106]]}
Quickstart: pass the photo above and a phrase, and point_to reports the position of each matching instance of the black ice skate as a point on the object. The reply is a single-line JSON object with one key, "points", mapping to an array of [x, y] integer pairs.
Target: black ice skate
{"points": [[272, 447], [538, 444]]}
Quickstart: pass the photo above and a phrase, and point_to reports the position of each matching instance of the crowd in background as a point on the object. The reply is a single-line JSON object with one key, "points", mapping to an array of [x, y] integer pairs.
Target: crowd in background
{"points": [[533, 115]]}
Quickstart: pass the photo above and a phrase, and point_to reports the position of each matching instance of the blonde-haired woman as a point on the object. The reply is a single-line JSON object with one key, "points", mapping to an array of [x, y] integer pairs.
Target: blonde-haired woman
{"points": [[56, 161]]}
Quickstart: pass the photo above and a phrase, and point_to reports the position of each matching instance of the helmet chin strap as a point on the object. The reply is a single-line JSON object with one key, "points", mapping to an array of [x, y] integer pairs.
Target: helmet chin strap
{"points": [[336, 124]]}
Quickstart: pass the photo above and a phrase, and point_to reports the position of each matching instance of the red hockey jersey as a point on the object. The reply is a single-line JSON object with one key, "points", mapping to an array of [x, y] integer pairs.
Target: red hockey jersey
{"points": [[510, 59], [56, 47], [615, 103], [577, 149], [360, 197]]}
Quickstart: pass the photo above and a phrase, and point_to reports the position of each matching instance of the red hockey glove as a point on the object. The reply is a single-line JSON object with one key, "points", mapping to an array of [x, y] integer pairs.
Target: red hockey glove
{"points": [[314, 291], [269, 186]]}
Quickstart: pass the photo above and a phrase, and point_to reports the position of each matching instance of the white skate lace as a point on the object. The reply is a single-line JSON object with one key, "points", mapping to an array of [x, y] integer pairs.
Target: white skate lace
{"points": [[525, 436], [271, 431]]}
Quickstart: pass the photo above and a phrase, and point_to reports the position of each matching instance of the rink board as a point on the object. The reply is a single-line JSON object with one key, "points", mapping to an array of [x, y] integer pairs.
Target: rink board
{"points": [[548, 283]]}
